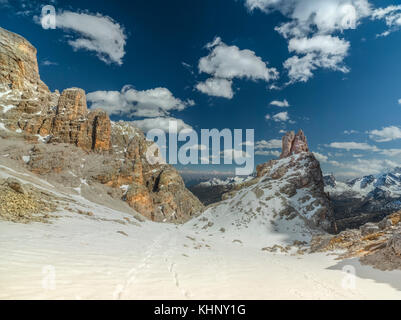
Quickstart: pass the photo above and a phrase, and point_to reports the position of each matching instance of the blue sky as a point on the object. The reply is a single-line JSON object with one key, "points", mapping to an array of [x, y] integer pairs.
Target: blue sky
{"points": [[335, 63]]}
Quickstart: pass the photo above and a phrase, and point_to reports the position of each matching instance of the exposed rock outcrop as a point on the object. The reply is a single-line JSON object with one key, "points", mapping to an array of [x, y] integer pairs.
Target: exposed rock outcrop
{"points": [[19, 68], [28, 108], [23, 203], [376, 244], [294, 144]]}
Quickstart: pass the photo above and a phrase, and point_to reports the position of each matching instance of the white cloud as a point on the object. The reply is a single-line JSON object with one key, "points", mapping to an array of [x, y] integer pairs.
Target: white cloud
{"points": [[162, 123], [321, 157], [353, 146], [392, 17], [264, 148], [366, 166], [230, 62], [391, 152], [281, 117], [131, 102], [268, 153], [94, 32], [216, 87], [349, 132], [399, 101], [225, 63], [321, 51], [281, 104], [323, 44], [310, 32], [386, 134], [48, 63], [271, 144]]}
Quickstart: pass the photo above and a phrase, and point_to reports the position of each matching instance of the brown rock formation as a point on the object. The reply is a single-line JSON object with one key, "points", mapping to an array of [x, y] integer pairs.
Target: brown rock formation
{"points": [[307, 176], [19, 67], [376, 244], [73, 123], [156, 191], [294, 144]]}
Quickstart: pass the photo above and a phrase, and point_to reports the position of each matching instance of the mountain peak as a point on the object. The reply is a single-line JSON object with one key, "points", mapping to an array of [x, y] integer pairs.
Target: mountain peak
{"points": [[293, 144]]}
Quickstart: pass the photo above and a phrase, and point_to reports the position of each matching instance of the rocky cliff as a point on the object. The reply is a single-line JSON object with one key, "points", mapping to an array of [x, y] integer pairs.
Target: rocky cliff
{"points": [[48, 120]]}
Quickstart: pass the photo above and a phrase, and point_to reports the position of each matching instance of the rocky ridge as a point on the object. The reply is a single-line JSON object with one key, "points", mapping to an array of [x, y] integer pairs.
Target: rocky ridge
{"points": [[49, 120]]}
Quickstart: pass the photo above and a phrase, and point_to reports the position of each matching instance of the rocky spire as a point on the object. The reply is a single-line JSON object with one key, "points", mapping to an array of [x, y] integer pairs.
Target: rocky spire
{"points": [[294, 144]]}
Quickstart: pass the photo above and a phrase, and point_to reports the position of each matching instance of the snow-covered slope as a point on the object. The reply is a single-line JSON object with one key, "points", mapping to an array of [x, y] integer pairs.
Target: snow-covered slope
{"points": [[113, 255]]}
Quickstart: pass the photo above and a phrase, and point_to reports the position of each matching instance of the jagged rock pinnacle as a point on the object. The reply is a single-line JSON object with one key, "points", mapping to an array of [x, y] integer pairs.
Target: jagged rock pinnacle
{"points": [[294, 144]]}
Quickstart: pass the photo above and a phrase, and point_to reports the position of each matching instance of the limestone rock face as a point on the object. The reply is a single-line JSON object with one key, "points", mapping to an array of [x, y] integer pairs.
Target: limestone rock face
{"points": [[30, 109], [294, 144], [19, 67], [155, 190], [73, 123], [72, 104]]}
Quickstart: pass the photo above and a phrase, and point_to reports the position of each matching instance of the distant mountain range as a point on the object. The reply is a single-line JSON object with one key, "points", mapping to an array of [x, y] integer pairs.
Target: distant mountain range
{"points": [[212, 190], [369, 198]]}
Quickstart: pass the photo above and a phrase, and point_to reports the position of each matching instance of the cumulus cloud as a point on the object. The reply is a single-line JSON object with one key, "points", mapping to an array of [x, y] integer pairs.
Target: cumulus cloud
{"points": [[321, 51], [310, 32], [130, 102], [94, 32], [366, 166], [386, 134], [281, 104], [281, 117], [270, 144], [264, 148], [216, 87], [230, 62], [323, 44], [353, 146], [162, 123], [225, 63]]}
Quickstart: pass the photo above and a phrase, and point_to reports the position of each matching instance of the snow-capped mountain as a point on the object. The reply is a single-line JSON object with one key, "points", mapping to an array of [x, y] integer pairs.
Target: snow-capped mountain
{"points": [[225, 182], [365, 199], [383, 186]]}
